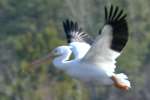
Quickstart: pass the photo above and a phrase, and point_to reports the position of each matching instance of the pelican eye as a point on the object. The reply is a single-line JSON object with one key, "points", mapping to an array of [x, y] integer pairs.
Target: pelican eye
{"points": [[56, 52]]}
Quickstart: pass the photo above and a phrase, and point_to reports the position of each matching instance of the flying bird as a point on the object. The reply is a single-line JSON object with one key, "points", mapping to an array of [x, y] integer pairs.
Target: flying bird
{"points": [[94, 59]]}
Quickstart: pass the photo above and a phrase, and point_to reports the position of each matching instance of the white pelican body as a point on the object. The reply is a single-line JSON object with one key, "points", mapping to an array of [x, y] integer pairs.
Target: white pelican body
{"points": [[94, 60], [89, 73], [83, 71]]}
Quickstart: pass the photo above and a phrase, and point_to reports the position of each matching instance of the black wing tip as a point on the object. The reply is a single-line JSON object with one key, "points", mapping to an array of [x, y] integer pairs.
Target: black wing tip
{"points": [[116, 18], [69, 26], [114, 14], [75, 33]]}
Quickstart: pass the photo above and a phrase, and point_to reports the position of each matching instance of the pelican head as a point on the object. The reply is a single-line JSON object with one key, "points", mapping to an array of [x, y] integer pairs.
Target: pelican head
{"points": [[59, 54], [60, 51], [62, 55]]}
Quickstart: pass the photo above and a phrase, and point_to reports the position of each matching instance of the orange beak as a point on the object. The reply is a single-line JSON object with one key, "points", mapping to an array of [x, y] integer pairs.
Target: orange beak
{"points": [[44, 59]]}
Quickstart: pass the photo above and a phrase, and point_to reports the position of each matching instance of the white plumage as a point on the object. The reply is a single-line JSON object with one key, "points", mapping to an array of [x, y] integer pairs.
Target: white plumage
{"points": [[94, 61], [79, 49]]}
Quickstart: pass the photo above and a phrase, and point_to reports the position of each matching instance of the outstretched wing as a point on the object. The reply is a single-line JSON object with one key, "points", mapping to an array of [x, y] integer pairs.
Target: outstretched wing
{"points": [[112, 40], [78, 40], [74, 33]]}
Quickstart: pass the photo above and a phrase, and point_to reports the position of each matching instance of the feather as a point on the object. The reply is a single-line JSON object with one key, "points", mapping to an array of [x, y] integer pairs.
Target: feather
{"points": [[109, 44], [74, 33]]}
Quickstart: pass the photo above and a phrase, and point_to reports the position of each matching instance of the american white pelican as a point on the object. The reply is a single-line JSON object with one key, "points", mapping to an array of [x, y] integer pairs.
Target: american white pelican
{"points": [[94, 60]]}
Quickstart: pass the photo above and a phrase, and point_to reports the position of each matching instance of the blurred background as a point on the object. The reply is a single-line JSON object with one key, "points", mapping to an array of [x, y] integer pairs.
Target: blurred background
{"points": [[29, 29]]}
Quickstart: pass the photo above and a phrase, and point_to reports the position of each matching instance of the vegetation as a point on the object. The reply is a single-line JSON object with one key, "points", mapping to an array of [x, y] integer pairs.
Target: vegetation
{"points": [[32, 28]]}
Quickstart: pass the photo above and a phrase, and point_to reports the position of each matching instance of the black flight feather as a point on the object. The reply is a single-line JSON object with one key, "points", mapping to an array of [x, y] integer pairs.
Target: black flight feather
{"points": [[74, 33], [117, 20]]}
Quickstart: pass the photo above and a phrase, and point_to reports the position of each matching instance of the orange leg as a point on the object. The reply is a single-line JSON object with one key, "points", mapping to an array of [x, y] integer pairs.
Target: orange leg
{"points": [[119, 84]]}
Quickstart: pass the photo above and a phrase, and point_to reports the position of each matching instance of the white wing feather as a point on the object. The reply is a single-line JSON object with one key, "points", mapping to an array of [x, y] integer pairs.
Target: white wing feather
{"points": [[79, 49], [100, 51]]}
